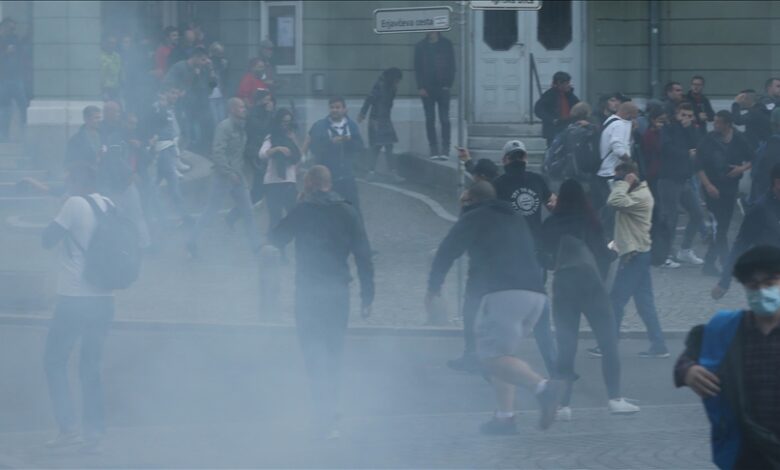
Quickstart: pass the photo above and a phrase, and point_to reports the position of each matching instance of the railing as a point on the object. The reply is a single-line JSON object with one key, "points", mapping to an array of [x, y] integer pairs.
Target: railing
{"points": [[533, 73]]}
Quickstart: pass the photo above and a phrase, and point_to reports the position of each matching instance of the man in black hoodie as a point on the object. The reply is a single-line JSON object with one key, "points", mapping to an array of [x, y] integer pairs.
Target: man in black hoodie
{"points": [[326, 230], [434, 68], [675, 186], [554, 105], [504, 273]]}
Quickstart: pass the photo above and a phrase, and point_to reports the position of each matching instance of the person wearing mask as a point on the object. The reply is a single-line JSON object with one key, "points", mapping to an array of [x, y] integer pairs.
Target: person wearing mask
{"points": [[731, 362], [229, 177], [253, 80], [675, 185], [633, 203], [336, 143], [381, 132], [83, 312], [702, 108], [327, 230], [576, 250], [434, 69], [163, 52], [673, 97], [753, 113], [282, 153], [615, 144], [505, 275], [554, 106], [527, 192], [761, 226], [721, 159]]}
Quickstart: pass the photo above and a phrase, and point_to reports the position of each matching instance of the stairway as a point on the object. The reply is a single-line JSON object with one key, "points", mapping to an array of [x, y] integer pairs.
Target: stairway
{"points": [[486, 140]]}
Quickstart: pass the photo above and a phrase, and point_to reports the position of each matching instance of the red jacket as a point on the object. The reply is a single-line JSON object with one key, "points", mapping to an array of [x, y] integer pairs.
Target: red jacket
{"points": [[249, 84]]}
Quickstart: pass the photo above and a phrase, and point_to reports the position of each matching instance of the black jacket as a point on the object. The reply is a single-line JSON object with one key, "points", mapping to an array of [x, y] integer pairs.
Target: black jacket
{"points": [[715, 158], [434, 64], [761, 226], [701, 104], [762, 167], [327, 230], [676, 143], [500, 247], [548, 107], [756, 120], [578, 226], [526, 191]]}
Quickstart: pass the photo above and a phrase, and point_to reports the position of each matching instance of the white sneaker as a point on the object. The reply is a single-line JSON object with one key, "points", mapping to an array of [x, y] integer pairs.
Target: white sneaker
{"points": [[671, 264], [563, 414], [444, 157], [65, 439], [688, 256], [620, 406]]}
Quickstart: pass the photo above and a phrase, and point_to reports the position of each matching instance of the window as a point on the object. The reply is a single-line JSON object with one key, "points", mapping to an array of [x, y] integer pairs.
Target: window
{"points": [[555, 25], [282, 23], [500, 29]]}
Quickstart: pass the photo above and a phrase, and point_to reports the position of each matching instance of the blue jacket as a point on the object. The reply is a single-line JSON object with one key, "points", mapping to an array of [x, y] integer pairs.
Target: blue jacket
{"points": [[339, 157]]}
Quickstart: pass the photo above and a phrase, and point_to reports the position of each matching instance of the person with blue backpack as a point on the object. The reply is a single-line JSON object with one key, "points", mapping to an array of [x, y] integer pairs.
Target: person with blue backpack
{"points": [[732, 363]]}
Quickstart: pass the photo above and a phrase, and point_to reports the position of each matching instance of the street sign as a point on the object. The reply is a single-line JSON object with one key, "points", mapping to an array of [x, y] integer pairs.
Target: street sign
{"points": [[506, 4], [412, 20]]}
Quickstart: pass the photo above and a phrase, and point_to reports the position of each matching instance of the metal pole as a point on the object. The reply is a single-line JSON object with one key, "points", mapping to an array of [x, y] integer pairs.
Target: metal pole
{"points": [[461, 131]]}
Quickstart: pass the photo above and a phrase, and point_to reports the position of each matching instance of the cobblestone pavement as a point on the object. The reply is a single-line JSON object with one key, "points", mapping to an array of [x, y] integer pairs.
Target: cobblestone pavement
{"points": [[223, 285]]}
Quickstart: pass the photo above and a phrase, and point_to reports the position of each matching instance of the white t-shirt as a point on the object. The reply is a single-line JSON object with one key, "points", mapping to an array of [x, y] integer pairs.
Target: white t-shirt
{"points": [[77, 217]]}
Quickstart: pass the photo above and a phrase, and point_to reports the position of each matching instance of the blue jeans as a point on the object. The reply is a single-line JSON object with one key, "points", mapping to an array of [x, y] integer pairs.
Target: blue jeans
{"points": [[88, 319], [221, 186], [633, 279]]}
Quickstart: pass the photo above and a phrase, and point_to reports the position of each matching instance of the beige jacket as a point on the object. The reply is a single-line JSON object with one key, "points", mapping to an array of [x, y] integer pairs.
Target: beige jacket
{"points": [[633, 218]]}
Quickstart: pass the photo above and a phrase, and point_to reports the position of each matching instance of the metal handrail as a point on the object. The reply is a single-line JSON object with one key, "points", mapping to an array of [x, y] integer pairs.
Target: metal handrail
{"points": [[533, 73]]}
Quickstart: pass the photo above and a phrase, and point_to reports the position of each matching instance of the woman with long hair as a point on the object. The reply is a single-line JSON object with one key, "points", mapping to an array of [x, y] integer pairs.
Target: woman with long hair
{"points": [[282, 152], [381, 132], [576, 249]]}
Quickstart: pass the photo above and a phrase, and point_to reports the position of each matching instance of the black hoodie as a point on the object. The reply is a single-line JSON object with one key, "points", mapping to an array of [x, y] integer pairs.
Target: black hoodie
{"points": [[327, 230], [500, 247], [526, 191]]}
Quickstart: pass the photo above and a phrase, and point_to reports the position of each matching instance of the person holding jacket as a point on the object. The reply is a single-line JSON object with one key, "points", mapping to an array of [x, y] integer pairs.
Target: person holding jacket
{"points": [[381, 132], [434, 69], [336, 143], [675, 186], [732, 363], [327, 230], [505, 275], [554, 106], [577, 251]]}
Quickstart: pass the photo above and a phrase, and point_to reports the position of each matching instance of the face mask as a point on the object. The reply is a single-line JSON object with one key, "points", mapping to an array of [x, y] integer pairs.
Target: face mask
{"points": [[764, 302]]}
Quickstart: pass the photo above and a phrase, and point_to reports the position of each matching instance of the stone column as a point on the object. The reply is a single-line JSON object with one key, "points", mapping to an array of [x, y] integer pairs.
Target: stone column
{"points": [[66, 75]]}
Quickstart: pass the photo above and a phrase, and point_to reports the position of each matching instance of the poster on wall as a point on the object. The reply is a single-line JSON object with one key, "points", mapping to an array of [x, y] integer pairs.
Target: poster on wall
{"points": [[285, 31]]}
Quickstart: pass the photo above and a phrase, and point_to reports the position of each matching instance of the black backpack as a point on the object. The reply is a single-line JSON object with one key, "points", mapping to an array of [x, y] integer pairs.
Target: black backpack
{"points": [[573, 154], [113, 257]]}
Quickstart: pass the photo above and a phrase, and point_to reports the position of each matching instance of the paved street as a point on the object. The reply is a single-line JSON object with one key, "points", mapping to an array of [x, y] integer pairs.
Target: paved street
{"points": [[237, 399], [222, 287]]}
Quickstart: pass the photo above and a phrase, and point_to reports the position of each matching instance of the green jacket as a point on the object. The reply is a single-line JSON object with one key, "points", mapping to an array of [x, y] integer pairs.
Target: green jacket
{"points": [[227, 151]]}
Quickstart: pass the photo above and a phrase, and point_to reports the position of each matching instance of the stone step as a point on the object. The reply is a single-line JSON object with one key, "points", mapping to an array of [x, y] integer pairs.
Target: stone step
{"points": [[509, 130], [534, 157], [8, 175], [532, 144]]}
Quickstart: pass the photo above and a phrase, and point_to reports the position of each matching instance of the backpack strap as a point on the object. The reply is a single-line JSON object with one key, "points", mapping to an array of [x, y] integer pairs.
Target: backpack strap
{"points": [[99, 214]]}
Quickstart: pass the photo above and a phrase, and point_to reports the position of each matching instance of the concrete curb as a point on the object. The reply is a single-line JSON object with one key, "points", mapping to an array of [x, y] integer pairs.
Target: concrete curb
{"points": [[265, 328]]}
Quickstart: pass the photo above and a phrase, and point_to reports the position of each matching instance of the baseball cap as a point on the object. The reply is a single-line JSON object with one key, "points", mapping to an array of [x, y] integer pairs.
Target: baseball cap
{"points": [[487, 169], [513, 145]]}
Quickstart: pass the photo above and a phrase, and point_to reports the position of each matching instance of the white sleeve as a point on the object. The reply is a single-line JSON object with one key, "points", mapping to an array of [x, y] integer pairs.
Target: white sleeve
{"points": [[619, 140], [71, 212], [263, 154]]}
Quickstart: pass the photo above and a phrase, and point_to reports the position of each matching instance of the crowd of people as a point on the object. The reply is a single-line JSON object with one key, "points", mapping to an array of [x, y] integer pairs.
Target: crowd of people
{"points": [[622, 173]]}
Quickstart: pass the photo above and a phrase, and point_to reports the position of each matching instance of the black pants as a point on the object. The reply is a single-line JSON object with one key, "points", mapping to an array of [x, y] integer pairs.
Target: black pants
{"points": [[346, 187], [389, 157], [321, 315], [574, 293], [441, 98], [281, 198], [78, 318], [723, 211]]}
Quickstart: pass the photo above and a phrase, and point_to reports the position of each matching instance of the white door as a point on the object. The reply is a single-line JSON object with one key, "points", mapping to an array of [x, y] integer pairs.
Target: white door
{"points": [[504, 44]]}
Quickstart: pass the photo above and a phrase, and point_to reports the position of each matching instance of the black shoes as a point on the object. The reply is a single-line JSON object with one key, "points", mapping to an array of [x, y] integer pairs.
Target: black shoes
{"points": [[549, 399]]}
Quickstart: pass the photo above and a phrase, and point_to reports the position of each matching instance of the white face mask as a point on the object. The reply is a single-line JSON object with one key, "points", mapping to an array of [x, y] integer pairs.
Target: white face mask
{"points": [[764, 301]]}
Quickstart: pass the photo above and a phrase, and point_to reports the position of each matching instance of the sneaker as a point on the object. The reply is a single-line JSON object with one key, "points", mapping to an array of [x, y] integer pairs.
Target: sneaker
{"points": [[549, 398], [594, 352], [655, 353], [563, 414], [65, 439], [499, 426], [689, 257], [465, 363], [710, 270], [620, 406], [670, 263], [444, 158], [434, 157]]}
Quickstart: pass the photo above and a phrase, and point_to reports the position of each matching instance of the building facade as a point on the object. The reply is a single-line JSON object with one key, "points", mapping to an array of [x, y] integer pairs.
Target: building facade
{"points": [[329, 48]]}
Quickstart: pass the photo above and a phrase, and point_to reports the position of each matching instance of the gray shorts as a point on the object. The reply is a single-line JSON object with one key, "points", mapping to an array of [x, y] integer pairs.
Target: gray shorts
{"points": [[505, 318]]}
